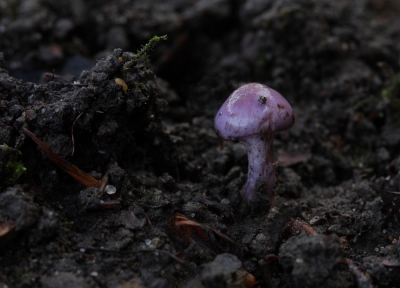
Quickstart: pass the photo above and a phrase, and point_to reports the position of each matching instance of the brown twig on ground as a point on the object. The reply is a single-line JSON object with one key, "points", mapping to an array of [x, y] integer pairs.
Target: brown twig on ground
{"points": [[72, 134], [71, 169]]}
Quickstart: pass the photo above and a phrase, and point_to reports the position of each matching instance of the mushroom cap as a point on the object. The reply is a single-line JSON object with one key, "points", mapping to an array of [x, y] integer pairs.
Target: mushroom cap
{"points": [[253, 109]]}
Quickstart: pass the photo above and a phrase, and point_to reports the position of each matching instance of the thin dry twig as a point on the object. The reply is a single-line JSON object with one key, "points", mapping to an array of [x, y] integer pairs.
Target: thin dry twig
{"points": [[72, 134], [84, 178]]}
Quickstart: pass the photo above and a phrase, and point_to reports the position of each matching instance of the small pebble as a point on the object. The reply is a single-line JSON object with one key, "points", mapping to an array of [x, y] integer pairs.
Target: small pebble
{"points": [[225, 201], [261, 237], [110, 189], [299, 260]]}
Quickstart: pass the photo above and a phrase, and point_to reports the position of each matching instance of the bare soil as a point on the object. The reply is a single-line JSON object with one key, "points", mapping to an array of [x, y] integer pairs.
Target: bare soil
{"points": [[177, 218]]}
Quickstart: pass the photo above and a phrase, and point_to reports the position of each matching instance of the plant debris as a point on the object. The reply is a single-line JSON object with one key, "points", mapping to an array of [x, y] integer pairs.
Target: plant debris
{"points": [[71, 169]]}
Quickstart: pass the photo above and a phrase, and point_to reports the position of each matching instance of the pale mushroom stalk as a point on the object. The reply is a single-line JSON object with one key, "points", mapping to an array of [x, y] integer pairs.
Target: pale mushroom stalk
{"points": [[261, 173]]}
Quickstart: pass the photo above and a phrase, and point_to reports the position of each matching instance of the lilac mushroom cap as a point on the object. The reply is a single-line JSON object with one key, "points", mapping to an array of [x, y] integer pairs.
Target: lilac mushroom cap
{"points": [[253, 109], [253, 114]]}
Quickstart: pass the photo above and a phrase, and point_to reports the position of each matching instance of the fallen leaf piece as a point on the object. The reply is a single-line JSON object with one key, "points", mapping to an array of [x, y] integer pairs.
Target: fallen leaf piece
{"points": [[248, 280], [390, 263], [286, 158], [296, 228], [6, 227], [7, 230], [269, 267], [110, 204], [202, 235], [71, 169]]}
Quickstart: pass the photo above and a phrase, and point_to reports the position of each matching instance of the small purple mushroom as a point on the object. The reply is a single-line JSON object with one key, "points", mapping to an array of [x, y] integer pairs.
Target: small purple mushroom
{"points": [[253, 114]]}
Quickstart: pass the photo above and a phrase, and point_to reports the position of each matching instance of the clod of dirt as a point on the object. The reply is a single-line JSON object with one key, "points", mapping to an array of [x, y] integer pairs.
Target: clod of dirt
{"points": [[219, 273], [94, 117], [314, 262], [385, 268], [18, 208]]}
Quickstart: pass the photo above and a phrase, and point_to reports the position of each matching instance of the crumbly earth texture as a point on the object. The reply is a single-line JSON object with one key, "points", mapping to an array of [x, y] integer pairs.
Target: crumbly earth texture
{"points": [[149, 131]]}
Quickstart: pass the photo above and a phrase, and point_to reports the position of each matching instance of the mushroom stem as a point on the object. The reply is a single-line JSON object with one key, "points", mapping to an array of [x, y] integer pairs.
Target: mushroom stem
{"points": [[261, 174]]}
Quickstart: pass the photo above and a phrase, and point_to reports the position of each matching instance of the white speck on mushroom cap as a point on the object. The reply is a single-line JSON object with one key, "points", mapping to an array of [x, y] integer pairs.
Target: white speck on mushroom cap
{"points": [[253, 109]]}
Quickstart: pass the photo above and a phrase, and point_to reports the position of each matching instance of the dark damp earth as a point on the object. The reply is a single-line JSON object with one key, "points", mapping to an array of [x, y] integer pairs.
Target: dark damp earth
{"points": [[146, 129]]}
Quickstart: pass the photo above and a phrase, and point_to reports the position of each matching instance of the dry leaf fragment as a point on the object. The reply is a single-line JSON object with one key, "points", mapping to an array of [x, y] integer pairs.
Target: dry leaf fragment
{"points": [[286, 158], [296, 228], [248, 280], [7, 230], [202, 235], [389, 263]]}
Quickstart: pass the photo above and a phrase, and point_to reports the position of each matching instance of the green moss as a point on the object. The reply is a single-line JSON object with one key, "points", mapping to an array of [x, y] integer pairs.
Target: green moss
{"points": [[15, 170], [143, 53]]}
